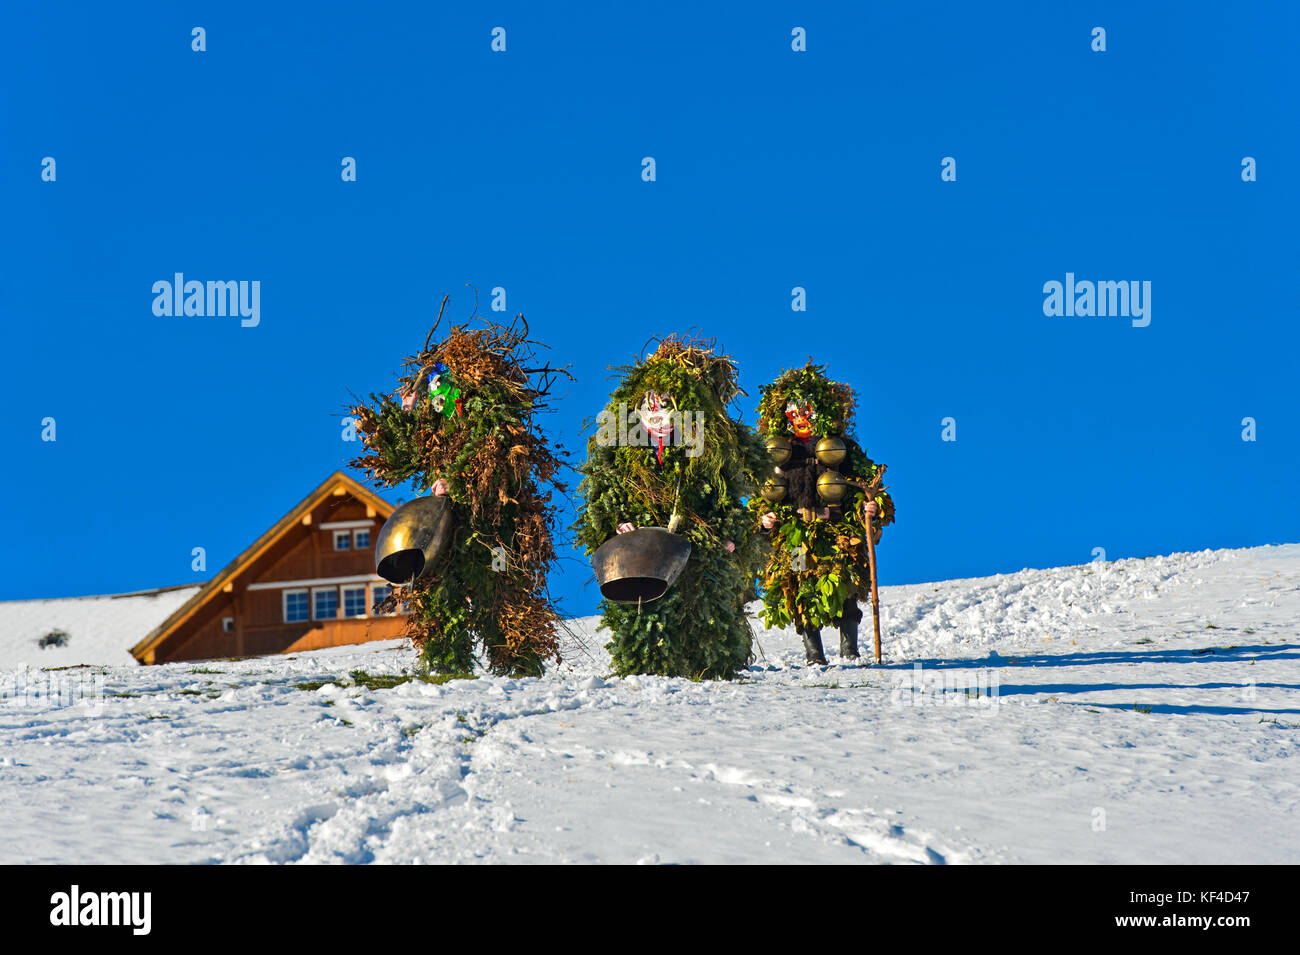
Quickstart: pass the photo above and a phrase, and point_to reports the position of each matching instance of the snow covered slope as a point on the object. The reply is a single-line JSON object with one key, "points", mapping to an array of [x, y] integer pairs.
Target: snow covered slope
{"points": [[1134, 711], [100, 629]]}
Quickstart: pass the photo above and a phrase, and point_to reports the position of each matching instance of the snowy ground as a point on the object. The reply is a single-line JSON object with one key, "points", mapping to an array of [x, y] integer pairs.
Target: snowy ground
{"points": [[100, 629], [1142, 711]]}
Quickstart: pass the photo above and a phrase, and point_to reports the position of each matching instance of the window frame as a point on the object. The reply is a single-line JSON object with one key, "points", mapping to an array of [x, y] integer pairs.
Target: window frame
{"points": [[338, 608], [284, 603], [343, 602], [373, 601], [346, 537]]}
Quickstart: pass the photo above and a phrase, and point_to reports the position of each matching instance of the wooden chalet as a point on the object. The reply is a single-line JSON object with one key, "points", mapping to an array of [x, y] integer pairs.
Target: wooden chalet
{"points": [[308, 582]]}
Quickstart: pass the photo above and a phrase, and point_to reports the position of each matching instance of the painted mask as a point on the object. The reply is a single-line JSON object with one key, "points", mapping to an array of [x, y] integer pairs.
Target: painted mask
{"points": [[801, 418], [656, 413]]}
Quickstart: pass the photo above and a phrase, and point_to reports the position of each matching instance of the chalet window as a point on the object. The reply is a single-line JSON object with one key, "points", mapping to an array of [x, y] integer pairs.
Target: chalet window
{"points": [[354, 601], [326, 603], [296, 606], [361, 540], [228, 624], [342, 540], [378, 594]]}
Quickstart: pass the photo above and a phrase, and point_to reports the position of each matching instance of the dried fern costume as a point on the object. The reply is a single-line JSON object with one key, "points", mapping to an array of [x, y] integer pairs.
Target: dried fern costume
{"points": [[464, 414]]}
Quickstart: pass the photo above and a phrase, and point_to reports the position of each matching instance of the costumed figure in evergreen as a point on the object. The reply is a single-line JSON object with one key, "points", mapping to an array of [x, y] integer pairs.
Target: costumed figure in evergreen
{"points": [[821, 492], [471, 558], [674, 549]]}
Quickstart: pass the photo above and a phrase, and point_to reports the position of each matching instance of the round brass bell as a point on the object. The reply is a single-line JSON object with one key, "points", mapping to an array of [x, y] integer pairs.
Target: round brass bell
{"points": [[641, 565], [831, 451], [831, 487], [775, 488], [778, 449], [412, 539]]}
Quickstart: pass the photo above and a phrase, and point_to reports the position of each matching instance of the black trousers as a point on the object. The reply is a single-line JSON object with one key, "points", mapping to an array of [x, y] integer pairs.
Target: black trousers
{"points": [[847, 624]]}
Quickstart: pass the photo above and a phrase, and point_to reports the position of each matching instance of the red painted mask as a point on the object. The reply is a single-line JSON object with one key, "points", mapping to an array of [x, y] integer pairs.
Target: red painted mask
{"points": [[801, 419]]}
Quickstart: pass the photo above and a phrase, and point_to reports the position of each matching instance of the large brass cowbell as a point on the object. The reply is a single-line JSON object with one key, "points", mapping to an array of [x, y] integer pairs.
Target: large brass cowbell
{"points": [[641, 565], [413, 539], [831, 452]]}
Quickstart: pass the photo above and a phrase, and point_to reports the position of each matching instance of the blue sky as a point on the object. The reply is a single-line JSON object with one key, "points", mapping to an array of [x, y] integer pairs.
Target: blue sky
{"points": [[775, 169]]}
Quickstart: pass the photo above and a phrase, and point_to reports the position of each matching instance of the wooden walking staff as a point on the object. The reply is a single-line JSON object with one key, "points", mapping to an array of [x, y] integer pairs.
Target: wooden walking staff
{"points": [[871, 551]]}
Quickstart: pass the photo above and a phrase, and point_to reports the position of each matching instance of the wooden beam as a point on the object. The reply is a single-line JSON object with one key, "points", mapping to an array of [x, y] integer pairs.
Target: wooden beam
{"points": [[237, 610]]}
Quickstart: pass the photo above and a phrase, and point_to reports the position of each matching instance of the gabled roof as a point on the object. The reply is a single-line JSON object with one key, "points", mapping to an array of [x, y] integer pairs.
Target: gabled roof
{"points": [[255, 550]]}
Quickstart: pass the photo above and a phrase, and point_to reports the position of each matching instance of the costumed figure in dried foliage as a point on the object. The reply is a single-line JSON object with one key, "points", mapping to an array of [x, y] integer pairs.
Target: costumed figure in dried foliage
{"points": [[472, 557], [815, 505], [662, 487]]}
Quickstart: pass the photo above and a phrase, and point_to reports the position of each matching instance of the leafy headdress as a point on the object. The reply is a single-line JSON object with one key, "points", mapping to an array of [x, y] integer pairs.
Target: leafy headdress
{"points": [[832, 402]]}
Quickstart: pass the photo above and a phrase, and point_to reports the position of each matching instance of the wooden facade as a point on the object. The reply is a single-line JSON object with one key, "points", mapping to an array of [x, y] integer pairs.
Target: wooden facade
{"points": [[308, 582]]}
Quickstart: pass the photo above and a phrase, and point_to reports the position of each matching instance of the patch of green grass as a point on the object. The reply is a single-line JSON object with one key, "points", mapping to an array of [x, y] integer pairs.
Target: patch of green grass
{"points": [[204, 670], [1277, 722], [312, 686], [1248, 630], [383, 681], [1210, 626], [1141, 709], [75, 666], [158, 716], [1145, 640], [461, 718], [380, 681], [437, 679]]}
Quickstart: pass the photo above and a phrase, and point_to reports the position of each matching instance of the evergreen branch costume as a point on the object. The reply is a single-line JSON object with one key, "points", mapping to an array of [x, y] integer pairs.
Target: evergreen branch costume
{"points": [[817, 568], [667, 453], [463, 414]]}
